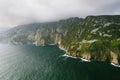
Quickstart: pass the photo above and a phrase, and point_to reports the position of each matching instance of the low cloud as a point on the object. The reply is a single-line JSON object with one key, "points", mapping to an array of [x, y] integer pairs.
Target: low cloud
{"points": [[16, 12]]}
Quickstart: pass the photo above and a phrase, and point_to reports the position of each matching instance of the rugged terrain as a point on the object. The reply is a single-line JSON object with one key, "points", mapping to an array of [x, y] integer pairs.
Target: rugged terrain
{"points": [[93, 38]]}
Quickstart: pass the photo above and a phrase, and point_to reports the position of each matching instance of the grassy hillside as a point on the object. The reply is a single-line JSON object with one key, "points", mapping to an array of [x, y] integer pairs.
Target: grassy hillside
{"points": [[92, 38]]}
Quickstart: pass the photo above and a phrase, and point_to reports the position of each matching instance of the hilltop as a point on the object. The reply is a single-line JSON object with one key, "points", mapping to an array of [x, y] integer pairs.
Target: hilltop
{"points": [[92, 38]]}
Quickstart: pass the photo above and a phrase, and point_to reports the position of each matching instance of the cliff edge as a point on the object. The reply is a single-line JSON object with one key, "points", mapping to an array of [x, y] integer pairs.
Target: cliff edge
{"points": [[92, 38]]}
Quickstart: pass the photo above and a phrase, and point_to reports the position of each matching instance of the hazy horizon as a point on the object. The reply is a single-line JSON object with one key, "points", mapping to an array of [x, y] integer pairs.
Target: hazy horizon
{"points": [[17, 12]]}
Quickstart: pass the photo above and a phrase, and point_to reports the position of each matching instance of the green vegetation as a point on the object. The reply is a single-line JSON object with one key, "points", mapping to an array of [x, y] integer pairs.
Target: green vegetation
{"points": [[115, 45], [71, 33]]}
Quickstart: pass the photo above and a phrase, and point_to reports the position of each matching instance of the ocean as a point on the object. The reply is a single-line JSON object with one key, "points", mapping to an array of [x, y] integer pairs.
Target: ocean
{"points": [[30, 62]]}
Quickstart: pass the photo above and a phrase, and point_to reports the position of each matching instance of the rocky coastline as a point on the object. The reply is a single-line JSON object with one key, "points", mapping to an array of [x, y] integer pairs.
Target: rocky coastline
{"points": [[92, 38]]}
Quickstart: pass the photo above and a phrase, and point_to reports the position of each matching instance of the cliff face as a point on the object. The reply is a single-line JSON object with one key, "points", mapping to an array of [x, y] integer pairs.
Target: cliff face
{"points": [[92, 38]]}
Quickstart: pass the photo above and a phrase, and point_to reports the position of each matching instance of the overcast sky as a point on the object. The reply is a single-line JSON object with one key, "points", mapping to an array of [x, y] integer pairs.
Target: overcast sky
{"points": [[16, 12]]}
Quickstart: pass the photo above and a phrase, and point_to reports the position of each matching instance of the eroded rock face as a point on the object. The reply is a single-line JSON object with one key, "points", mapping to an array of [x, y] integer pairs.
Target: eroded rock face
{"points": [[57, 39], [70, 34], [39, 40], [86, 56], [114, 58]]}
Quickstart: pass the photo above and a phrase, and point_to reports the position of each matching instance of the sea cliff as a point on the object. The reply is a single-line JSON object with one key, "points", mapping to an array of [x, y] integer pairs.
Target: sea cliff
{"points": [[91, 38]]}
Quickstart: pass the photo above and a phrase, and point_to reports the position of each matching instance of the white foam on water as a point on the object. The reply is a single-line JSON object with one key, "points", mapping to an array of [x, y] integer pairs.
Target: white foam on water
{"points": [[115, 65], [63, 49], [52, 44], [85, 60], [65, 55]]}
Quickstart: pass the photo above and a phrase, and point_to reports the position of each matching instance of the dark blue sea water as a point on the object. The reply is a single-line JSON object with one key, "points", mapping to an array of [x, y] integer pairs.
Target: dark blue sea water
{"points": [[30, 62]]}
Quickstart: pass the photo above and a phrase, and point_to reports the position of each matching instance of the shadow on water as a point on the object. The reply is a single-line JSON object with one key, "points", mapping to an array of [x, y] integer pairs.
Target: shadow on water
{"points": [[29, 62]]}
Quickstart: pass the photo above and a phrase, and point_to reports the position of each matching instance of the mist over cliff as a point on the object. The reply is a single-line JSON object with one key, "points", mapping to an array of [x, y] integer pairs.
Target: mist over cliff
{"points": [[92, 38]]}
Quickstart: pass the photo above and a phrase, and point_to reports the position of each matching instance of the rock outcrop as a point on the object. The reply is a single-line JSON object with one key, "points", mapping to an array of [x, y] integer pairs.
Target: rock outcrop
{"points": [[92, 38], [114, 58]]}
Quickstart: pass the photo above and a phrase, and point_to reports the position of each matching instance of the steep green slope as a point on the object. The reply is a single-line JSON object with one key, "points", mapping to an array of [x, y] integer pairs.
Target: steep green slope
{"points": [[92, 38], [98, 38]]}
